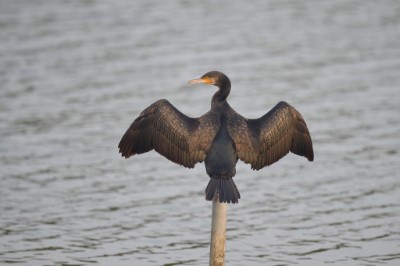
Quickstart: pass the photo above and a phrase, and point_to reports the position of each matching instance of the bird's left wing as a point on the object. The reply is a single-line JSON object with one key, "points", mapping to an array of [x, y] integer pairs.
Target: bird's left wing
{"points": [[263, 141], [177, 137]]}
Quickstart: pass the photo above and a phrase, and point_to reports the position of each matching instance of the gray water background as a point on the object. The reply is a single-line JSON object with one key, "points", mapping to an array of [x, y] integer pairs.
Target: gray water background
{"points": [[74, 75]]}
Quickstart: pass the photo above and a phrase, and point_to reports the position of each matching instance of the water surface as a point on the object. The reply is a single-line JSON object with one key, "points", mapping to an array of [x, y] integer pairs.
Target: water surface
{"points": [[74, 75]]}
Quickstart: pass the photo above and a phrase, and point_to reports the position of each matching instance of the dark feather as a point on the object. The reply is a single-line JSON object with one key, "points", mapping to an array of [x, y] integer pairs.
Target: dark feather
{"points": [[225, 188], [164, 128], [261, 142]]}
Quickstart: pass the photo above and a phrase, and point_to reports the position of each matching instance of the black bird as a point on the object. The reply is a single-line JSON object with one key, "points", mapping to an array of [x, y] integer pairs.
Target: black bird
{"points": [[219, 138]]}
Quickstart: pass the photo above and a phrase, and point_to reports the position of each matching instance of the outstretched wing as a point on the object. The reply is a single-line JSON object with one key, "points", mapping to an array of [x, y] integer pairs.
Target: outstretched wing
{"points": [[263, 141], [164, 128]]}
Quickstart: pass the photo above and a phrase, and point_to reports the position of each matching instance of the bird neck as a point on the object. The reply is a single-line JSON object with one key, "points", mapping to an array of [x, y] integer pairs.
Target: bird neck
{"points": [[223, 92]]}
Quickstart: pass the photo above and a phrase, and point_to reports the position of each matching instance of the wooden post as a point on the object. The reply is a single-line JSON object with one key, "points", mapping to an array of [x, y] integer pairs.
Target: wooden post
{"points": [[218, 232]]}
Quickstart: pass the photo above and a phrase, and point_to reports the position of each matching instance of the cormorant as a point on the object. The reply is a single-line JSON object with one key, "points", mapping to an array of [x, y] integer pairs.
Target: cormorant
{"points": [[219, 138]]}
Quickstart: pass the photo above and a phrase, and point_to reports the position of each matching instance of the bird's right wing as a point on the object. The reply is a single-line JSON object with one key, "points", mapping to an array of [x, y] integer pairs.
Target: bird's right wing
{"points": [[263, 141], [164, 128]]}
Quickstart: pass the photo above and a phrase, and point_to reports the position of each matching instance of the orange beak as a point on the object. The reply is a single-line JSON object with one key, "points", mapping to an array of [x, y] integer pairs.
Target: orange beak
{"points": [[201, 80]]}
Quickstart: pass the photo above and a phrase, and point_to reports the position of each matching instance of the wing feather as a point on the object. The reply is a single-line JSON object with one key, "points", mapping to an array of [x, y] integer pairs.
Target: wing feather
{"points": [[261, 142], [177, 137]]}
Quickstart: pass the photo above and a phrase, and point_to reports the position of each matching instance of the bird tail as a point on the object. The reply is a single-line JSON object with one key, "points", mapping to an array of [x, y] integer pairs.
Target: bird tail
{"points": [[226, 189]]}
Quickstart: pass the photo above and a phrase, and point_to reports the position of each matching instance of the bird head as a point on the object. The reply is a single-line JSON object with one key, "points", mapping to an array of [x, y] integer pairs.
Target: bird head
{"points": [[215, 78]]}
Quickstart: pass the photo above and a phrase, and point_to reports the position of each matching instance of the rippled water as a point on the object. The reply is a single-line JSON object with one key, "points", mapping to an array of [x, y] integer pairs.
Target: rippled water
{"points": [[74, 74]]}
